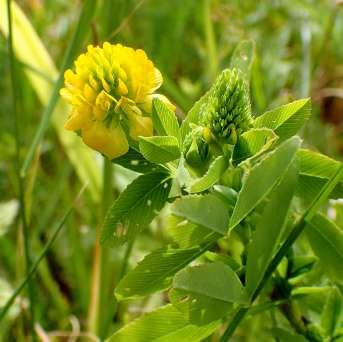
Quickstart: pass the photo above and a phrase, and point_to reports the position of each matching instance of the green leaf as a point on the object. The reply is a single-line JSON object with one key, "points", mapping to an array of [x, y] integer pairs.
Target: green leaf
{"points": [[207, 292], [286, 120], [183, 176], [300, 264], [315, 169], [187, 234], [133, 160], [226, 193], [316, 164], [151, 326], [136, 206], [324, 194], [224, 258], [269, 229], [214, 280], [326, 240], [252, 143], [243, 56], [302, 291], [331, 313], [286, 336], [213, 174], [191, 332], [159, 149], [206, 210], [164, 119], [199, 309], [155, 271], [262, 178], [309, 187], [165, 324]]}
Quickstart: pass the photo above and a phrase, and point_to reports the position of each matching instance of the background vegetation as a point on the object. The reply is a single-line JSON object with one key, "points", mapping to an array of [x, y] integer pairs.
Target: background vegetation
{"points": [[298, 53]]}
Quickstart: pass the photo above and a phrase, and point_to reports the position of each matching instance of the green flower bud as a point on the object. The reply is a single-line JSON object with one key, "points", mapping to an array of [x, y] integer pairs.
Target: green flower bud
{"points": [[196, 149], [227, 112]]}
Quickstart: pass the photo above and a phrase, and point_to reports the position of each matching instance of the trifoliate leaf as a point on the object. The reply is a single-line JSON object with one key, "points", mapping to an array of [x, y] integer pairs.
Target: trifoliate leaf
{"points": [[136, 206], [159, 149]]}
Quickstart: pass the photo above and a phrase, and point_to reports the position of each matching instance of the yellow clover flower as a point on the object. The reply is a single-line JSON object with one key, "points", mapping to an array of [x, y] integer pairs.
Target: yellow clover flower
{"points": [[111, 93]]}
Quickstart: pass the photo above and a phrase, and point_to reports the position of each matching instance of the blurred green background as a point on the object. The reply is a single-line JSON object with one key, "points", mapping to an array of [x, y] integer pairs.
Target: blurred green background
{"points": [[298, 53]]}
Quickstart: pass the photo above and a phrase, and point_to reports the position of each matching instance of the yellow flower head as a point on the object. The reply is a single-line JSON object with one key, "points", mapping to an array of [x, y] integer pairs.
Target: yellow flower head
{"points": [[111, 92]]}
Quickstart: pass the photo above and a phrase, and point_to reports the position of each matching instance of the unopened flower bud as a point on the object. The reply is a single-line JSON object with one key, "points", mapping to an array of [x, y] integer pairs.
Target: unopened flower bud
{"points": [[227, 112], [196, 147]]}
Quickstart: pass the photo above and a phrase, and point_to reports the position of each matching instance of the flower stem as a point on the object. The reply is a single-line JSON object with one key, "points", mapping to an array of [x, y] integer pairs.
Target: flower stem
{"points": [[106, 300], [100, 278]]}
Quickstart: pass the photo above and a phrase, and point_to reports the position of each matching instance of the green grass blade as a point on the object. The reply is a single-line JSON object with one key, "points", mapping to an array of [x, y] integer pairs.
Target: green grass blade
{"points": [[210, 40], [30, 50], [35, 265], [21, 186], [74, 46]]}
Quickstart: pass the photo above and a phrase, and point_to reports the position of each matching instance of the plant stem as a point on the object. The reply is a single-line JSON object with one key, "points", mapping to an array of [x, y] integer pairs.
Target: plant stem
{"points": [[100, 278], [292, 237], [105, 276], [239, 315], [95, 288], [21, 189], [118, 309]]}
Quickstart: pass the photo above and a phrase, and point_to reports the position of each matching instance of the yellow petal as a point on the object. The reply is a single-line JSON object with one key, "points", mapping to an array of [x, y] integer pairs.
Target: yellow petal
{"points": [[147, 105], [73, 80], [130, 77], [122, 88], [105, 84], [72, 97], [104, 101], [158, 80], [93, 82], [110, 141], [89, 93], [129, 107], [122, 74], [99, 114], [66, 94], [140, 126], [78, 120]]}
